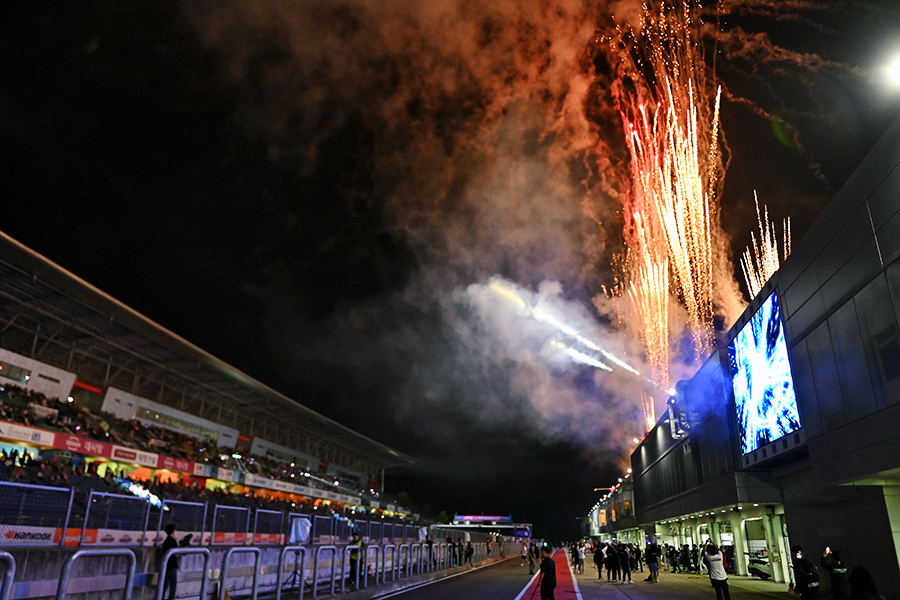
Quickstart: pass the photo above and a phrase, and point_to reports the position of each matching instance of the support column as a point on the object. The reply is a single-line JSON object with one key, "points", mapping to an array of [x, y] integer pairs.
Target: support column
{"points": [[740, 543], [774, 546]]}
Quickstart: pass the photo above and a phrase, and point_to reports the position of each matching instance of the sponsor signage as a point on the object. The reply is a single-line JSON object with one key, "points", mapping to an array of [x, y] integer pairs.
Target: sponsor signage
{"points": [[21, 433], [201, 470], [225, 474], [481, 518], [28, 536], [175, 464], [147, 459], [73, 443]]}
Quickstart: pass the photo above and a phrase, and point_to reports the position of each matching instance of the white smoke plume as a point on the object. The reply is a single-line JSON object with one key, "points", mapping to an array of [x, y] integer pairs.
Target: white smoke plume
{"points": [[493, 147]]}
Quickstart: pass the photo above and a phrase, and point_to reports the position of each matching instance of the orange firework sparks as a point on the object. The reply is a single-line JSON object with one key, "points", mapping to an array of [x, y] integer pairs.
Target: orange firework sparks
{"points": [[676, 169], [763, 262]]}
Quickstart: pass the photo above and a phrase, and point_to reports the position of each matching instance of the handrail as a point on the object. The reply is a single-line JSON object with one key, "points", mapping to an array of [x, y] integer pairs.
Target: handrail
{"points": [[279, 582], [393, 550], [256, 560], [319, 550], [163, 568], [110, 552], [9, 574], [401, 563], [347, 550], [416, 556], [378, 554]]}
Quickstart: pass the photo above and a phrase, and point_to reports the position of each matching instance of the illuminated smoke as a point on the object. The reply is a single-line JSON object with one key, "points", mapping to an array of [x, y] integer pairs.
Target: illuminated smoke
{"points": [[495, 148], [762, 263]]}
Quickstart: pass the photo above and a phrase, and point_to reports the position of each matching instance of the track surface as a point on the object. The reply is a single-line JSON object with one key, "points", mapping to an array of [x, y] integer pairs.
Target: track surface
{"points": [[510, 581]]}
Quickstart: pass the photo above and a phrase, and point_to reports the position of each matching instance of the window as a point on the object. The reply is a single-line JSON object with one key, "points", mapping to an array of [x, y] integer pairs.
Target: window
{"points": [[887, 349], [15, 373]]}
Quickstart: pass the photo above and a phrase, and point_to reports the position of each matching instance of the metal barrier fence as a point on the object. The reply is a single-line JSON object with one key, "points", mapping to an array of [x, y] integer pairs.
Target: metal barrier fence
{"points": [[268, 525], [34, 515], [114, 520], [375, 530], [341, 531], [334, 554], [231, 552], [297, 576], [190, 517], [63, 587], [179, 552], [322, 530], [229, 524], [9, 574]]}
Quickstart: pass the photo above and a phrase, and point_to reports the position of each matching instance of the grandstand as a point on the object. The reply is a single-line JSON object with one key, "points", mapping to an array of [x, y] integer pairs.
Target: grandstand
{"points": [[59, 334]]}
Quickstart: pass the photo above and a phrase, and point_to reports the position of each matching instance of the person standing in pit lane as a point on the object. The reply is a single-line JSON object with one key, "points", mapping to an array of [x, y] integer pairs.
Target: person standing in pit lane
{"points": [[652, 555], [581, 557], [470, 552], [547, 578], [840, 586], [612, 563], [715, 564], [532, 561], [625, 563], [598, 560], [806, 576]]}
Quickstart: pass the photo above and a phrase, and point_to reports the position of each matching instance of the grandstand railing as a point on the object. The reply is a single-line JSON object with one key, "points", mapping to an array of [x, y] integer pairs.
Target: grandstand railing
{"points": [[189, 516], [114, 520], [405, 562], [34, 515], [9, 574], [229, 524]]}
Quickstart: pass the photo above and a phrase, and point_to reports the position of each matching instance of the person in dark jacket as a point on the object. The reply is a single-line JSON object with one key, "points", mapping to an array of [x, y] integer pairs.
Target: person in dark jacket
{"points": [[862, 586], [805, 575], [598, 560], [838, 572], [612, 563], [625, 563], [171, 579], [547, 577]]}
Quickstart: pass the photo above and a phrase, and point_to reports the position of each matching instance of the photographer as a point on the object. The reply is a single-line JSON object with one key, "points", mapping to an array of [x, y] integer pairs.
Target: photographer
{"points": [[714, 560]]}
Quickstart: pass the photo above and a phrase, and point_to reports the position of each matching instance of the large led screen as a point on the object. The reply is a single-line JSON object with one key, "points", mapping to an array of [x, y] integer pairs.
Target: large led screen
{"points": [[761, 375]]}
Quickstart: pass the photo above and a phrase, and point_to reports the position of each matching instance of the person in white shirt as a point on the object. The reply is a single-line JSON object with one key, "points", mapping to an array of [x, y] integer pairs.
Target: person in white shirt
{"points": [[714, 560]]}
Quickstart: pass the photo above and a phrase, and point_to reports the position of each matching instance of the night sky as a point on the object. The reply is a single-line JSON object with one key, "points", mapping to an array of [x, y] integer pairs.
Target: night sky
{"points": [[307, 189]]}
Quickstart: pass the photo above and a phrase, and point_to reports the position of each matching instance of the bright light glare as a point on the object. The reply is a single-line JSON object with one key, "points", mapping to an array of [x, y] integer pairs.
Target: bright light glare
{"points": [[581, 357], [508, 294], [893, 72]]}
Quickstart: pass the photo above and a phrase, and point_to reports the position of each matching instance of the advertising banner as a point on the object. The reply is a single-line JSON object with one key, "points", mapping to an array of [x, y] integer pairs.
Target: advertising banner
{"points": [[202, 470], [73, 443], [175, 464], [20, 535], [229, 537], [21, 433], [147, 459], [225, 474]]}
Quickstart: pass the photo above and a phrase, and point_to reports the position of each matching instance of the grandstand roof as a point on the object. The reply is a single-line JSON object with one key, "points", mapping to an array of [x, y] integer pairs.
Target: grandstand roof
{"points": [[51, 315]]}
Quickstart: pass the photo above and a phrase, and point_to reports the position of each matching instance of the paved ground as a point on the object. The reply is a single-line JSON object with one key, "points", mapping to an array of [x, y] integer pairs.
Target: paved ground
{"points": [[680, 586], [510, 581]]}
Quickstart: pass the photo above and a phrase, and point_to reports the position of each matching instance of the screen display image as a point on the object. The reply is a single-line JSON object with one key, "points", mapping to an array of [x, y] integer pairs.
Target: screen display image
{"points": [[761, 376]]}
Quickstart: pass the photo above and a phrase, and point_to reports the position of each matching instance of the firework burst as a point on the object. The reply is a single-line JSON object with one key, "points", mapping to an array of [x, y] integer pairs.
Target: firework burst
{"points": [[762, 263], [671, 132]]}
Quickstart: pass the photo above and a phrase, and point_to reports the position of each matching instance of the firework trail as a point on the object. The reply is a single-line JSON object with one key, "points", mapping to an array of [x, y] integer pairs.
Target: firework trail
{"points": [[676, 169], [762, 263]]}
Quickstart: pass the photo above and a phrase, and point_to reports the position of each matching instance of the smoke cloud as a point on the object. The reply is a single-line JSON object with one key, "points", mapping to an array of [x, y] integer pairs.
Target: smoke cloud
{"points": [[492, 144]]}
